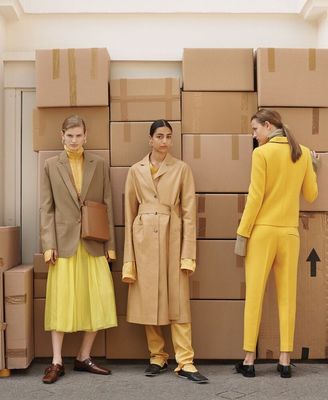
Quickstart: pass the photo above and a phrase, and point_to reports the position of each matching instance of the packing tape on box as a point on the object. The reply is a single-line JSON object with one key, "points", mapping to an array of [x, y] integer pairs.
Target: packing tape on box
{"points": [[201, 200], [271, 60], [94, 63], [201, 227], [40, 275], [315, 121], [72, 77], [197, 147], [16, 353], [19, 299], [239, 261], [197, 101], [244, 122], [126, 132], [234, 147], [269, 355], [195, 289], [241, 200], [305, 221], [312, 60], [3, 326], [55, 63], [168, 98], [242, 289]]}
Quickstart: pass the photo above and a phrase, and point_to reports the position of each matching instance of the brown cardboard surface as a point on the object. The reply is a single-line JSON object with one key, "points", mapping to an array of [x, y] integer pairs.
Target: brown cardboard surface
{"points": [[308, 125], [129, 142], [40, 276], [220, 163], [128, 341], [311, 330], [47, 123], [321, 203], [19, 316], [145, 99], [217, 329], [119, 243], [72, 77], [121, 293], [2, 318], [72, 341], [292, 77], [218, 215], [219, 274], [218, 69], [10, 252], [218, 112], [118, 176]]}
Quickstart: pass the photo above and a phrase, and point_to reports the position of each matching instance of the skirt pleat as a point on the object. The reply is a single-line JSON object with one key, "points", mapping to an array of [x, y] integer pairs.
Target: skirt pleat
{"points": [[80, 294]]}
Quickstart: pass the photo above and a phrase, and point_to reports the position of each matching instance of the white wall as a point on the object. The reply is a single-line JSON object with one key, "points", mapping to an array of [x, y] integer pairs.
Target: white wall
{"points": [[2, 48]]}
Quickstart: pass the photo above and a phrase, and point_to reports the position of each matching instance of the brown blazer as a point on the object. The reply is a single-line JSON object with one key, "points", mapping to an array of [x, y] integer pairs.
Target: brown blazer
{"points": [[60, 211]]}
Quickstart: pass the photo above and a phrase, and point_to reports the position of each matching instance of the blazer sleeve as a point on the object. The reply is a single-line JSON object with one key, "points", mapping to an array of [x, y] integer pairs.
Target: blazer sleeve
{"points": [[47, 212], [131, 205], [309, 186], [188, 215], [110, 244], [255, 194]]}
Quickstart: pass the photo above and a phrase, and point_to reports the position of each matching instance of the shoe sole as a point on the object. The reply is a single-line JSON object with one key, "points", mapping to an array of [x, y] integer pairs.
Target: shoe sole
{"points": [[150, 375], [244, 375]]}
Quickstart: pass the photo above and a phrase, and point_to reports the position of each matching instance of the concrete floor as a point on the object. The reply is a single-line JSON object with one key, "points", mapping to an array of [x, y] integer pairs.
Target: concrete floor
{"points": [[127, 382]]}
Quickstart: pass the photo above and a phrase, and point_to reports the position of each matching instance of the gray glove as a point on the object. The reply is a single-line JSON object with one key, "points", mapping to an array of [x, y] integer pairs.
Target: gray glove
{"points": [[241, 246], [315, 160]]}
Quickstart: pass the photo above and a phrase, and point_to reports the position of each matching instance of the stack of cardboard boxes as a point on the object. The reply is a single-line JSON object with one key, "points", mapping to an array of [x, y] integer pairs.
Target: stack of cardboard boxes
{"points": [[16, 303], [218, 101], [134, 105], [68, 82], [295, 83]]}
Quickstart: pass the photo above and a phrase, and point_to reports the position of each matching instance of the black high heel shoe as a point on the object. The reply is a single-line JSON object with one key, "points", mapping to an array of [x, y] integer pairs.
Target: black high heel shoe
{"points": [[284, 370], [248, 371]]}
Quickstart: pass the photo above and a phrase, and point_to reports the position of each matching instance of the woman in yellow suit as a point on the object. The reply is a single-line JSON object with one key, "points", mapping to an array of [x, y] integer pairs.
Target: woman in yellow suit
{"points": [[80, 293], [268, 230], [160, 251]]}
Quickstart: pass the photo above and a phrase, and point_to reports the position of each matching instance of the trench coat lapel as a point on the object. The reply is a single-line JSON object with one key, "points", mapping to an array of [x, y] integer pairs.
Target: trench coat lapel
{"points": [[145, 170], [89, 167], [65, 171], [165, 166]]}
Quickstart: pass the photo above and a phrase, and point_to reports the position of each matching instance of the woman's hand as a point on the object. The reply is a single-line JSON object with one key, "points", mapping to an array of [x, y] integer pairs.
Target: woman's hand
{"points": [[50, 256]]}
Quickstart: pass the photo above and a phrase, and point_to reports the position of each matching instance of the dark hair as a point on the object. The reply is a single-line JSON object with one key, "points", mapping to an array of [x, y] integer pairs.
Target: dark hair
{"points": [[73, 121], [159, 123], [274, 118]]}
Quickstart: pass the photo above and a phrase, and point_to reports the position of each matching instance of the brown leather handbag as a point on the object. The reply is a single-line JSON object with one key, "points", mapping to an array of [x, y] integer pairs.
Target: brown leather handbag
{"points": [[94, 220]]}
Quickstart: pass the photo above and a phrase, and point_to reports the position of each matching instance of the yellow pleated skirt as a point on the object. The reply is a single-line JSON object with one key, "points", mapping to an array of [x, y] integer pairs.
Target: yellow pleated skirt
{"points": [[80, 294]]}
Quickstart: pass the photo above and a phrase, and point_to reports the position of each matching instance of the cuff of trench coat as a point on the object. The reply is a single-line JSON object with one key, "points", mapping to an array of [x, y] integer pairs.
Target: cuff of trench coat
{"points": [[186, 367], [129, 272], [188, 264]]}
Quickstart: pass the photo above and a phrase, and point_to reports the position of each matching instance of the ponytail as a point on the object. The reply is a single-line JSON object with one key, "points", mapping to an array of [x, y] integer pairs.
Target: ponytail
{"points": [[295, 148]]}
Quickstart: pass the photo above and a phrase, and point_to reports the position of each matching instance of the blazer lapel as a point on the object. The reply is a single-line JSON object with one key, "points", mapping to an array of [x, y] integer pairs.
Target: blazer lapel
{"points": [[65, 171], [144, 168], [89, 167]]}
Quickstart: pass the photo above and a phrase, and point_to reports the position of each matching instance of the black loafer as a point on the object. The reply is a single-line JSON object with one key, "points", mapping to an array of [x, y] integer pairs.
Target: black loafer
{"points": [[155, 369], [248, 371], [285, 370], [192, 376]]}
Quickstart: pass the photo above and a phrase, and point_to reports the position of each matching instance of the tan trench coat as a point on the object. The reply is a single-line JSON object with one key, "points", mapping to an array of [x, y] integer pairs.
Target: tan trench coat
{"points": [[160, 230]]}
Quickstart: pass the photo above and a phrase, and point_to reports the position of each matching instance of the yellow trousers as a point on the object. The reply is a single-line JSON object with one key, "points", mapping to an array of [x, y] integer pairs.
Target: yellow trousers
{"points": [[181, 339], [277, 248]]}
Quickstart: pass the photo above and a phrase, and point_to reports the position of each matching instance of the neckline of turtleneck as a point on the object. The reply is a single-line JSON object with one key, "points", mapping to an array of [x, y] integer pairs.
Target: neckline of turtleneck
{"points": [[74, 154]]}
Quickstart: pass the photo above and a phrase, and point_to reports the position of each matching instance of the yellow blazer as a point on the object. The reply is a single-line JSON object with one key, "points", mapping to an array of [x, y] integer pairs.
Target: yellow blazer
{"points": [[60, 211], [276, 184]]}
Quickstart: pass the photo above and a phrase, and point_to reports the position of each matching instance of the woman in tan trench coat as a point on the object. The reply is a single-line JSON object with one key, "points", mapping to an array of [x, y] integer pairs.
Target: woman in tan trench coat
{"points": [[160, 251]]}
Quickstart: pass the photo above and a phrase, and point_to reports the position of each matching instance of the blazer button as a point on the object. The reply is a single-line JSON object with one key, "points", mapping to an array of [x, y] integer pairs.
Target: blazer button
{"points": [[155, 212], [156, 231], [78, 221], [155, 197]]}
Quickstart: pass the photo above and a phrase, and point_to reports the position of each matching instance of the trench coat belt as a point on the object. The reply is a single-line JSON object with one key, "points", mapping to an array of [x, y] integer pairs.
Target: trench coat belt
{"points": [[174, 252]]}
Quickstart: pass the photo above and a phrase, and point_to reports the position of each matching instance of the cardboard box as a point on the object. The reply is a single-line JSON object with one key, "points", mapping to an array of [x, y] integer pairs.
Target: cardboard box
{"points": [[10, 251], [72, 341], [217, 329], [40, 275], [220, 163], [292, 77], [220, 274], [72, 77], [118, 177], [129, 142], [121, 293], [218, 112], [19, 316], [145, 99], [311, 331], [218, 215], [321, 203], [128, 341], [119, 243], [218, 69], [47, 123], [308, 125], [3, 324]]}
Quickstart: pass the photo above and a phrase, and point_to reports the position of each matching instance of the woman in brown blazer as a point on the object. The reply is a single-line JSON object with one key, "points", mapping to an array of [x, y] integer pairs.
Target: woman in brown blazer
{"points": [[80, 293], [160, 251]]}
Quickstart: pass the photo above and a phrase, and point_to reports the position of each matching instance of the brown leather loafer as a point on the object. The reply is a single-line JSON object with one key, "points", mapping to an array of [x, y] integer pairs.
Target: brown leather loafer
{"points": [[53, 373], [89, 366]]}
